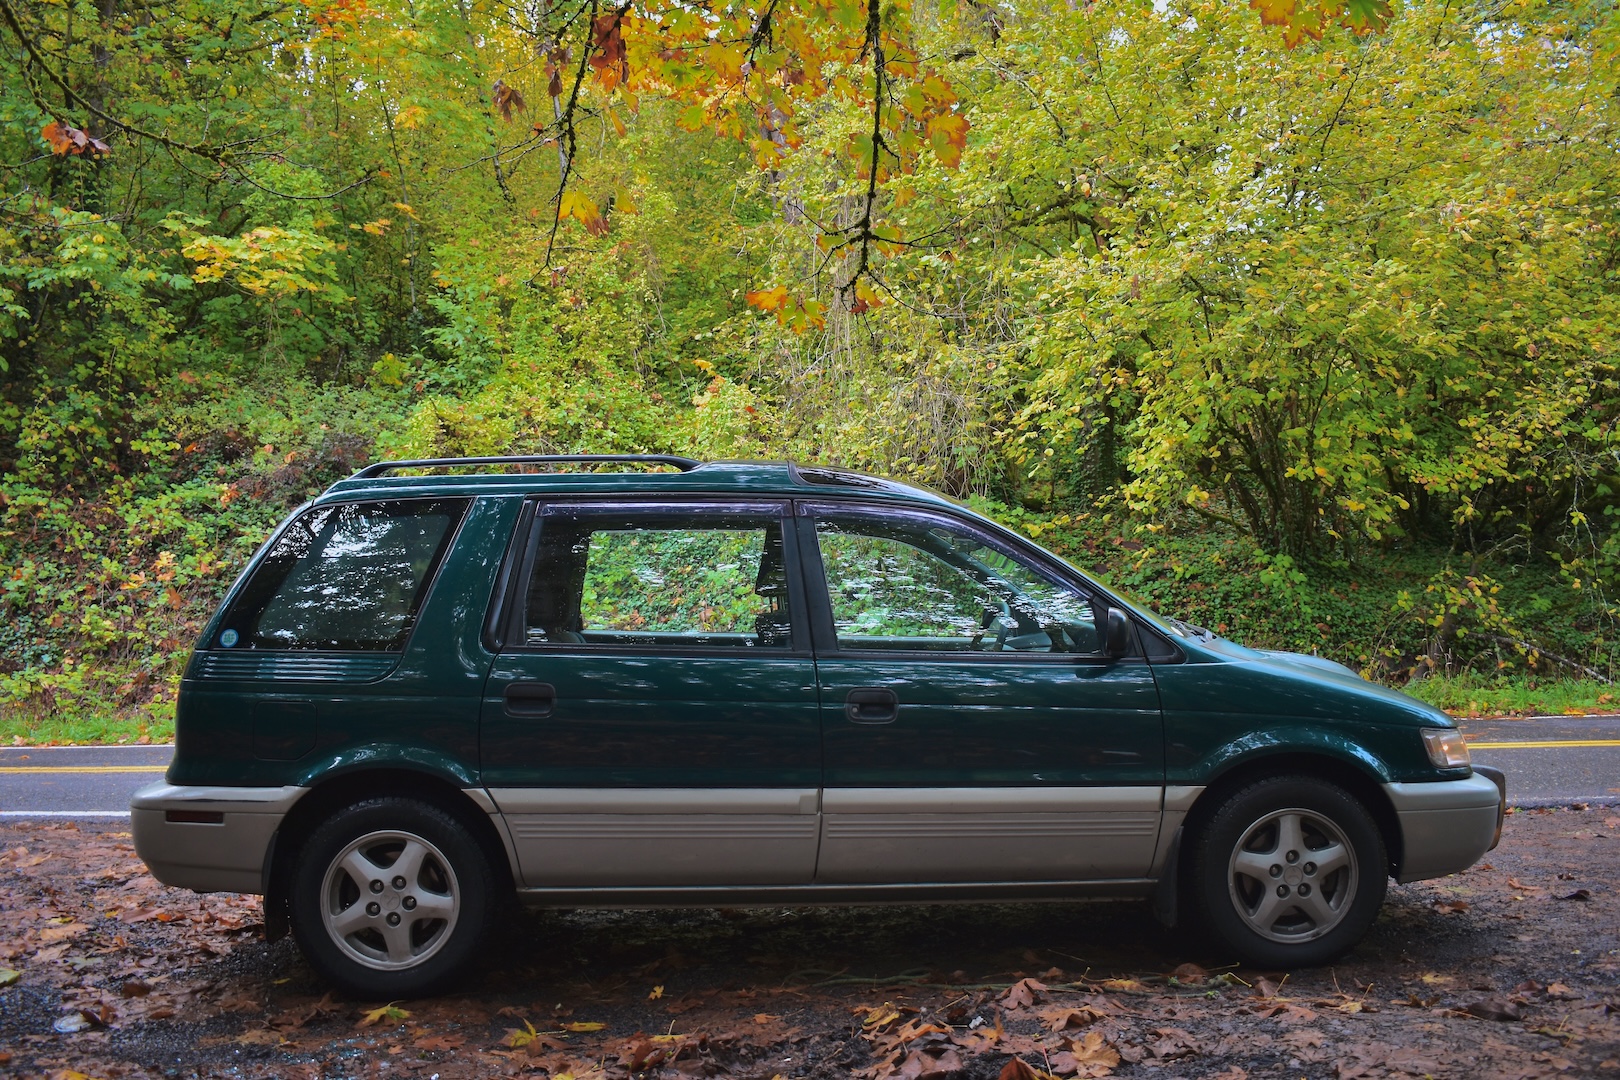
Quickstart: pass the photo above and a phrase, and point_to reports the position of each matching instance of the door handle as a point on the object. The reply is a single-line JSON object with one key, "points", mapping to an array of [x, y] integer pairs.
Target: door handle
{"points": [[871, 705], [529, 698]]}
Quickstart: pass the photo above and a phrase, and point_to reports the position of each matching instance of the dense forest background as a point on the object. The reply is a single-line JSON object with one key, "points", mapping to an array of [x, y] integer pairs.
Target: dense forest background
{"points": [[1314, 343]]}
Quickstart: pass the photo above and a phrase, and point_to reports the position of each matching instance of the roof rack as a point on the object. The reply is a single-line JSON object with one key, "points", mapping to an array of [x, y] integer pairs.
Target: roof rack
{"points": [[378, 468]]}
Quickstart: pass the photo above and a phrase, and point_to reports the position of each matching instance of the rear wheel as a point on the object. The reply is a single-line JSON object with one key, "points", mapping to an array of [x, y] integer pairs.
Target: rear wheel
{"points": [[391, 898], [1289, 871]]}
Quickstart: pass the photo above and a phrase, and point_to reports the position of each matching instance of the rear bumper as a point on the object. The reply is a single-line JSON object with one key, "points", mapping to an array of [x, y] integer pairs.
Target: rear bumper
{"points": [[1447, 826], [222, 847]]}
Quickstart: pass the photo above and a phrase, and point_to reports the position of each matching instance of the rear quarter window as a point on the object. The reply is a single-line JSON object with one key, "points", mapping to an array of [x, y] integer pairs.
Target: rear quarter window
{"points": [[349, 577]]}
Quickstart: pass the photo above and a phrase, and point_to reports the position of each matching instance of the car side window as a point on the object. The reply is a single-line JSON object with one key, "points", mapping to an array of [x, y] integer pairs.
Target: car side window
{"points": [[924, 584], [344, 578], [707, 579]]}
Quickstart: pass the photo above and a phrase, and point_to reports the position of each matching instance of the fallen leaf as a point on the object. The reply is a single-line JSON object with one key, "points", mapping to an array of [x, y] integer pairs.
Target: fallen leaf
{"points": [[72, 1023], [1126, 986], [878, 1015], [9, 976], [584, 1025], [656, 993], [931, 1063], [260, 1037], [1415, 1002], [1019, 1069], [1495, 1008], [1171, 1043], [1451, 907], [520, 1037], [1578, 894], [386, 1012], [1093, 1051], [1059, 1017], [1023, 993]]}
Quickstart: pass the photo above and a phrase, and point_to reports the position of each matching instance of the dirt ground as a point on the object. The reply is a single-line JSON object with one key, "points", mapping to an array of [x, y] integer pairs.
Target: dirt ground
{"points": [[1510, 970]]}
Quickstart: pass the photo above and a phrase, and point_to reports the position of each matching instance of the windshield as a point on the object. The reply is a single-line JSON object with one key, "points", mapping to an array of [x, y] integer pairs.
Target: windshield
{"points": [[1171, 626]]}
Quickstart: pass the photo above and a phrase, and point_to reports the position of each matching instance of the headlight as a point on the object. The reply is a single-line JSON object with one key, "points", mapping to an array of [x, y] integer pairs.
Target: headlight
{"points": [[1446, 748]]}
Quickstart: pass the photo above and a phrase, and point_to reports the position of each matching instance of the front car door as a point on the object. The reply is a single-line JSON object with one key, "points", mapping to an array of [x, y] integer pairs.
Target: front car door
{"points": [[651, 719], [973, 728]]}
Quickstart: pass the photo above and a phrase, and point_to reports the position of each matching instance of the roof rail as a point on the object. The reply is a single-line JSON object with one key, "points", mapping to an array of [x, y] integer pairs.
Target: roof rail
{"points": [[378, 468]]}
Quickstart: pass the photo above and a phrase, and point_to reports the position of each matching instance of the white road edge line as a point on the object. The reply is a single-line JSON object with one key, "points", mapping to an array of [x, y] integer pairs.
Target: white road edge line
{"points": [[64, 813]]}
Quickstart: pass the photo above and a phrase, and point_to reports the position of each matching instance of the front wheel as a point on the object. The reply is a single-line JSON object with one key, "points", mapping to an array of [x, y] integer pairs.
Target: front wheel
{"points": [[1289, 871], [391, 898]]}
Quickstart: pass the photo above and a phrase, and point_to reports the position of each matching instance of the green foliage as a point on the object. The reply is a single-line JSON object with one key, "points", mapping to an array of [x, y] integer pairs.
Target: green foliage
{"points": [[1355, 296], [1315, 343], [1476, 695], [673, 581]]}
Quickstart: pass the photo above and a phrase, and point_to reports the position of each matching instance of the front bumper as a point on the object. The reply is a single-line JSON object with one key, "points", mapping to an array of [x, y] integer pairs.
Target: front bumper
{"points": [[210, 839], [1447, 826]]}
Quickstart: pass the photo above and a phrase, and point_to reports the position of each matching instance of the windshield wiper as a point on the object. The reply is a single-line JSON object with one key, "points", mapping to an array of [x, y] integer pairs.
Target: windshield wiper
{"points": [[1191, 629]]}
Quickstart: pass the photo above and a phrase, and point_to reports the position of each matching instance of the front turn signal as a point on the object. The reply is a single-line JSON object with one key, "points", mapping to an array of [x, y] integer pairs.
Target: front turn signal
{"points": [[1446, 748]]}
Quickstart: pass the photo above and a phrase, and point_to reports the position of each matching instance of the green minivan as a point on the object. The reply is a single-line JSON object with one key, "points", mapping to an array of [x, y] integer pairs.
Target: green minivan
{"points": [[446, 681]]}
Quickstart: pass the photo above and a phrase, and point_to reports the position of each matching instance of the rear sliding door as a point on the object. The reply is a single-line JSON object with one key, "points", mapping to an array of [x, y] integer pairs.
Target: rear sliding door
{"points": [[653, 719]]}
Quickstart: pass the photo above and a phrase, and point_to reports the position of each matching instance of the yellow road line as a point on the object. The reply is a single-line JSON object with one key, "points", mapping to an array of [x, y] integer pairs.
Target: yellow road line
{"points": [[81, 768], [1544, 744]]}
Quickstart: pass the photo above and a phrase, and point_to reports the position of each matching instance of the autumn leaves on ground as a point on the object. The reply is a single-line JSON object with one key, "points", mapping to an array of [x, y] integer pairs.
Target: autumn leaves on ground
{"points": [[1508, 970]]}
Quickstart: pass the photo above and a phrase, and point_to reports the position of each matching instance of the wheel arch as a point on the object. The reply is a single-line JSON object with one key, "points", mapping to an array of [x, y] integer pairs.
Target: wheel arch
{"points": [[338, 790], [1352, 777]]}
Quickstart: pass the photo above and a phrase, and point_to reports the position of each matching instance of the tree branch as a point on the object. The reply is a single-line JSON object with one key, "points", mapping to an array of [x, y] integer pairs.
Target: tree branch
{"points": [[219, 155]]}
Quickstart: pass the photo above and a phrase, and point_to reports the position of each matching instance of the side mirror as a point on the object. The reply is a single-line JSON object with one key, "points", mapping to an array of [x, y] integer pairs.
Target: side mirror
{"points": [[1120, 639]]}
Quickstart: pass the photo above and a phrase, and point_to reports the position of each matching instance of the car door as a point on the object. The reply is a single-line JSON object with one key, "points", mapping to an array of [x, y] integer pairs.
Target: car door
{"points": [[973, 729], [651, 719]]}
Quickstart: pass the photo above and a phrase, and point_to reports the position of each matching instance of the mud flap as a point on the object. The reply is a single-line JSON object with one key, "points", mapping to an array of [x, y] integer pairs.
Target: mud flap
{"points": [[1166, 894], [277, 913]]}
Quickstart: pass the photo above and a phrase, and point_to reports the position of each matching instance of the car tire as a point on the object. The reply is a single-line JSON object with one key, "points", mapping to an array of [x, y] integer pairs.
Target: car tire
{"points": [[1288, 872], [391, 898]]}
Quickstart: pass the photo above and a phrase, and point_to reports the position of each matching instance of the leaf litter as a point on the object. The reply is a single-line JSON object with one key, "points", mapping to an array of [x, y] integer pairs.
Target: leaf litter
{"points": [[105, 973]]}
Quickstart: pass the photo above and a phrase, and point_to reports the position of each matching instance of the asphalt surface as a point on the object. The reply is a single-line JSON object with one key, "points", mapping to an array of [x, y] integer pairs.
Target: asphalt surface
{"points": [[1551, 761], [1548, 761], [76, 781]]}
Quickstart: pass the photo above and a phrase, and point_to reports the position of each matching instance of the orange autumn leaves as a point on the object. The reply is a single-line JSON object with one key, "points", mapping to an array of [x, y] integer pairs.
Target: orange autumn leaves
{"points": [[1300, 19], [747, 71], [802, 313], [68, 141]]}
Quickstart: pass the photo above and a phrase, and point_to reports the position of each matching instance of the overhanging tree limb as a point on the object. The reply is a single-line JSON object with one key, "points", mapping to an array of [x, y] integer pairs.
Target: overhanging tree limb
{"points": [[219, 155]]}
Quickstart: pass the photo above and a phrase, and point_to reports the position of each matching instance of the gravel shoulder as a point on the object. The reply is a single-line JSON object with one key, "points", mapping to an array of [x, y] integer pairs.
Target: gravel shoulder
{"points": [[1509, 970]]}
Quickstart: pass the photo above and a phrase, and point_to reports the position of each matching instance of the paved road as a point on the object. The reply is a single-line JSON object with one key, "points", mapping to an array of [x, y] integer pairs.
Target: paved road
{"points": [[1551, 760], [1548, 760], [76, 781]]}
